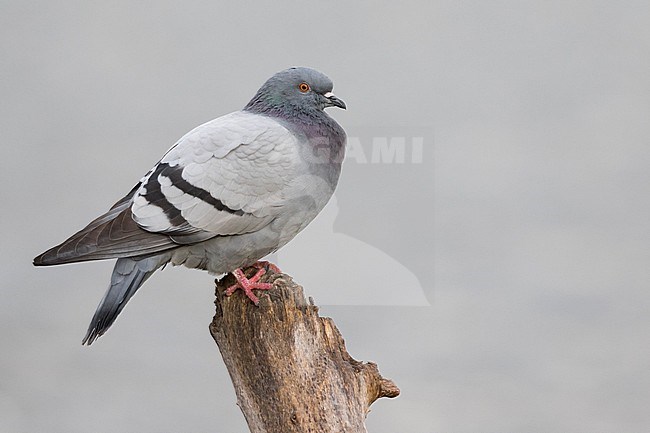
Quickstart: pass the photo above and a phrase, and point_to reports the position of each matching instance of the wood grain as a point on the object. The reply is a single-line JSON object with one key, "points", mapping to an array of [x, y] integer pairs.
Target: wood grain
{"points": [[289, 366]]}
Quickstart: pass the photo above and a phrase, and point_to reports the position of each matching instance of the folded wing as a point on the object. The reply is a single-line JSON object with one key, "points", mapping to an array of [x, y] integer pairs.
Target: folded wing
{"points": [[220, 179]]}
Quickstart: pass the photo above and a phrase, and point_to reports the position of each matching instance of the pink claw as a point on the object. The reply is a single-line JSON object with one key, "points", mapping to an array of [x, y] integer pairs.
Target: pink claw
{"points": [[249, 284]]}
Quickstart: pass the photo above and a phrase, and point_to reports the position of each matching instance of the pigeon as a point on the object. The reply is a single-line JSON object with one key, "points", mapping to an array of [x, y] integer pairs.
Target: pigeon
{"points": [[228, 193]]}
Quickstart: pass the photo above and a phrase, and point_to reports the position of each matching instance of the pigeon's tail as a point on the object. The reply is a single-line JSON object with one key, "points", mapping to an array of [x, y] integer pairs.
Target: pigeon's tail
{"points": [[128, 276]]}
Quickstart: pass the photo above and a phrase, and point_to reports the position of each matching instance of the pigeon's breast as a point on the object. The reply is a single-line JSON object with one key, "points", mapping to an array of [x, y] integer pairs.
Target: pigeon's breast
{"points": [[321, 144]]}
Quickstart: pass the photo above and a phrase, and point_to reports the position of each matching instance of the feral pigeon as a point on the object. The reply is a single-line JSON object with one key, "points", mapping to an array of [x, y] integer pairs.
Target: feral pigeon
{"points": [[228, 193]]}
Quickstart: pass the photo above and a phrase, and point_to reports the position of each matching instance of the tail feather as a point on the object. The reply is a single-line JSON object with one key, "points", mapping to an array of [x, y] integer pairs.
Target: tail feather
{"points": [[128, 276]]}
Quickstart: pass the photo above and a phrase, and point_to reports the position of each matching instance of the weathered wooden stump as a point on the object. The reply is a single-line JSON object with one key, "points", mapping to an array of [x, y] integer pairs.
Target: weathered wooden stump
{"points": [[289, 366]]}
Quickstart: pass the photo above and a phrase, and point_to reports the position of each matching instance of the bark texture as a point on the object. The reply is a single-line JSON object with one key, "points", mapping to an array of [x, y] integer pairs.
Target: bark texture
{"points": [[289, 366]]}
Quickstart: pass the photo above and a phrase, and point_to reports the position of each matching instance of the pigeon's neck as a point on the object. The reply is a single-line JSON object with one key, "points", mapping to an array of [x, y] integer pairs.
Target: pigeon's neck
{"points": [[322, 136], [277, 107], [312, 124], [323, 145]]}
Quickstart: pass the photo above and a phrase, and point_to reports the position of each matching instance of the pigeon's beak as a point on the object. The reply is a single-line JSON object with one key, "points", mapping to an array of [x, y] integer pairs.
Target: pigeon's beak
{"points": [[333, 101]]}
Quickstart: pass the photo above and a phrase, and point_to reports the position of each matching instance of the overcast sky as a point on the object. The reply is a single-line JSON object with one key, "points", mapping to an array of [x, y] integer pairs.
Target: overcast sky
{"points": [[502, 271]]}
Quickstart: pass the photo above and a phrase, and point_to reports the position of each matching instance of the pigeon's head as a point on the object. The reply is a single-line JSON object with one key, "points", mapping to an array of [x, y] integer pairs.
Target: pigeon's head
{"points": [[295, 90]]}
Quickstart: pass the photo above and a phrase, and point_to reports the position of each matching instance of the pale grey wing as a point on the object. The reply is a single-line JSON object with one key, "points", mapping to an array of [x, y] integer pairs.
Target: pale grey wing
{"points": [[219, 179], [225, 177]]}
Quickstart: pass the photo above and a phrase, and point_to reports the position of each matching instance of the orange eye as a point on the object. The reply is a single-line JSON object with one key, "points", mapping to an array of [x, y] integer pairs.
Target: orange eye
{"points": [[303, 87]]}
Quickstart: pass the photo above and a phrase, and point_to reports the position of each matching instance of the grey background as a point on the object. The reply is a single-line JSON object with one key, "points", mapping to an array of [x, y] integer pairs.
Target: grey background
{"points": [[526, 225]]}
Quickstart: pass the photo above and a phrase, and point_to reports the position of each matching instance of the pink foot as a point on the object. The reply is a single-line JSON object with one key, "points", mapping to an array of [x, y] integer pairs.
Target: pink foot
{"points": [[249, 284]]}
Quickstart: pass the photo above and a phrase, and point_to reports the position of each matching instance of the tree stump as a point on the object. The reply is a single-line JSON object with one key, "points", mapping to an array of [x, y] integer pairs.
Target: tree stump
{"points": [[289, 366]]}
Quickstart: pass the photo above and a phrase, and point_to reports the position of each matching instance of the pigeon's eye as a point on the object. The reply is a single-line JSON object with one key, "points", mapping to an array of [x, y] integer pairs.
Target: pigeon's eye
{"points": [[303, 87]]}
